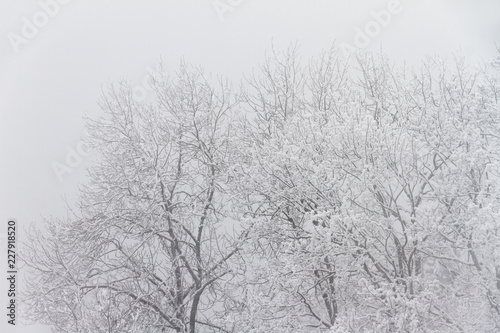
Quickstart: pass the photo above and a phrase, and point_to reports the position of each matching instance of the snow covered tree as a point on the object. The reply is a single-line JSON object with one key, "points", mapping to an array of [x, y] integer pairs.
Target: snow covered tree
{"points": [[149, 247], [366, 199], [375, 197]]}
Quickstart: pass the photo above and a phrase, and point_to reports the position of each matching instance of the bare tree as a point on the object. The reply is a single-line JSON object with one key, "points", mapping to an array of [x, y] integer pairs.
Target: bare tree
{"points": [[374, 193], [149, 248], [367, 195]]}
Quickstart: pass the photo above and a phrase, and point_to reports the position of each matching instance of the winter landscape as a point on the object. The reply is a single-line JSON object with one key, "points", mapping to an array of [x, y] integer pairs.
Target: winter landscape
{"points": [[338, 189]]}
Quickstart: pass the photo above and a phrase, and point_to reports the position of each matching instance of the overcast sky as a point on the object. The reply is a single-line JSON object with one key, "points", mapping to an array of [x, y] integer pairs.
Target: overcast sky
{"points": [[57, 56]]}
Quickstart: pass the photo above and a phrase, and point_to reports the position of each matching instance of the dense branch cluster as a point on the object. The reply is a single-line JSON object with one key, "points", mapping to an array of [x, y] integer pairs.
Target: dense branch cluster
{"points": [[328, 197]]}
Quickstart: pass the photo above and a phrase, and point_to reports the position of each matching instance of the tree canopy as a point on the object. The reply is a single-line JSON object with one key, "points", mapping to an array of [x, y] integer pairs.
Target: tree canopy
{"points": [[332, 196]]}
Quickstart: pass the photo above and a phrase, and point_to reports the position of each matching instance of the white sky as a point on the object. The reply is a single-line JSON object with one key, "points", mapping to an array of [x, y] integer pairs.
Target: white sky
{"points": [[57, 76]]}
